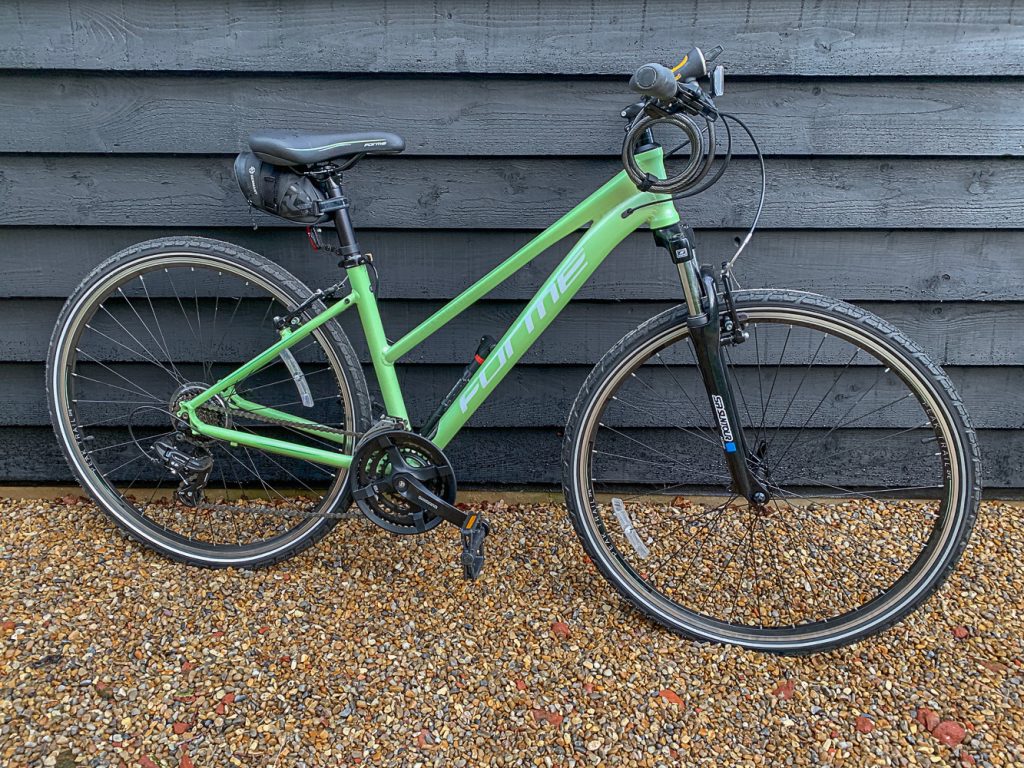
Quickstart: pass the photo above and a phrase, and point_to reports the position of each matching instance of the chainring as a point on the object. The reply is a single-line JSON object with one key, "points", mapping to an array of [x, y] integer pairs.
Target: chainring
{"points": [[369, 476]]}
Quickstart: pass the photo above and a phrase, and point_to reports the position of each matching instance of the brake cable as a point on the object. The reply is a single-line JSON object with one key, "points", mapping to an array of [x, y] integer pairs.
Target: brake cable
{"points": [[726, 117], [760, 203]]}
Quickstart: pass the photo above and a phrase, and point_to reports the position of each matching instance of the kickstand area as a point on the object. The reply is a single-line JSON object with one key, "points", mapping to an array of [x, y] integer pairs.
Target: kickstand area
{"points": [[474, 532]]}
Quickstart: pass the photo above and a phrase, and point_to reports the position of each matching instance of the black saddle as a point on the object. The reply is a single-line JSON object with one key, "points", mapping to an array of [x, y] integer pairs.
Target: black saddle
{"points": [[292, 148]]}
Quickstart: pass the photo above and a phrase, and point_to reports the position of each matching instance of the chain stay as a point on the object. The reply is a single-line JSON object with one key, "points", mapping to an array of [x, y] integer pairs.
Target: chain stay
{"points": [[346, 515]]}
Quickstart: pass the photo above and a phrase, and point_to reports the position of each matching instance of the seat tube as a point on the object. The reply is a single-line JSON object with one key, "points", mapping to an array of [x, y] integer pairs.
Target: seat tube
{"points": [[343, 221], [354, 261], [376, 340]]}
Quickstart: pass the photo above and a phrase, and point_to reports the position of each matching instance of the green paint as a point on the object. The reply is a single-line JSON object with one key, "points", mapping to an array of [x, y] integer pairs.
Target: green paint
{"points": [[606, 227]]}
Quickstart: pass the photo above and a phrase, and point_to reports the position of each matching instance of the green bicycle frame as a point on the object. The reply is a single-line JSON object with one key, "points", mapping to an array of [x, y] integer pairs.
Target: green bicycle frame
{"points": [[605, 213]]}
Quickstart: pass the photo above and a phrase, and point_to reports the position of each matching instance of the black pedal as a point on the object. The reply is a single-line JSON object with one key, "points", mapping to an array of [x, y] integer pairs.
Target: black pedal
{"points": [[473, 547], [473, 528]]}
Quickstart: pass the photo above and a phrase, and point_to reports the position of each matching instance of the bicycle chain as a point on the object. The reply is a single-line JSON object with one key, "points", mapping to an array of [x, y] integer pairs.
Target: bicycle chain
{"points": [[346, 515], [282, 422]]}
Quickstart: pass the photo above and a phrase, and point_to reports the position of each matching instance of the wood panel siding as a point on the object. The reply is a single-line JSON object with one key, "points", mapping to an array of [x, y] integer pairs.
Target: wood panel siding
{"points": [[894, 134], [806, 37], [473, 192], [469, 116]]}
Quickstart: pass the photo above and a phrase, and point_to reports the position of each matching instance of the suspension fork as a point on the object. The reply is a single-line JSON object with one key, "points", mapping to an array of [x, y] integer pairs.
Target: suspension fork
{"points": [[704, 319]]}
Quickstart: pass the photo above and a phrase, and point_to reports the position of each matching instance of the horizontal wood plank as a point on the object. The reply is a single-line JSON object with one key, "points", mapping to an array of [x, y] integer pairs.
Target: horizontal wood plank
{"points": [[892, 132], [521, 457], [953, 333], [532, 395], [518, 193], [610, 36], [896, 265], [56, 112]]}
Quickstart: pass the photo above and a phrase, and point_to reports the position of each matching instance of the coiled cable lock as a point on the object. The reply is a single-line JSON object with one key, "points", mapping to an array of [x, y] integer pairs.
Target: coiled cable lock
{"points": [[702, 151]]}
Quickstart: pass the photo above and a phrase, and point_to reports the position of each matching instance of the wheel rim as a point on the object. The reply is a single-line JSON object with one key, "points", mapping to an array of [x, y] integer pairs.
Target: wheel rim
{"points": [[117, 330], [743, 579]]}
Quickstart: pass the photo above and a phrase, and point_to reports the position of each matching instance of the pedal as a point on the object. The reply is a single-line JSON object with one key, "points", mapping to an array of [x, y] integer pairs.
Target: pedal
{"points": [[473, 527], [473, 546]]}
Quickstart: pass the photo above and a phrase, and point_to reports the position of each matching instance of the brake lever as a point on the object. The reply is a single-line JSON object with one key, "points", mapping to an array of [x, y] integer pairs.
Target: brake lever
{"points": [[693, 100], [633, 110]]}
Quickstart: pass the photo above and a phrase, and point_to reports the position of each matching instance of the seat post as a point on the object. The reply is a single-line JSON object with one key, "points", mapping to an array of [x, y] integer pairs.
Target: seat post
{"points": [[350, 253]]}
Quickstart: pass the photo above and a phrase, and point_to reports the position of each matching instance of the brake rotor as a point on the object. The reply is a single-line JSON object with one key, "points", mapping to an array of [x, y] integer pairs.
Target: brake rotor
{"points": [[374, 460]]}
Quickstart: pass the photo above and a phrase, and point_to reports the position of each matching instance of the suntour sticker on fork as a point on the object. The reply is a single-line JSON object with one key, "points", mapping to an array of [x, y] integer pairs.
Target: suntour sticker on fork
{"points": [[723, 424], [627, 528]]}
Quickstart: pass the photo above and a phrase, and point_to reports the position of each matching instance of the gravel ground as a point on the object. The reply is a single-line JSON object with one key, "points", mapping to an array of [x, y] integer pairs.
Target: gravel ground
{"points": [[369, 649]]}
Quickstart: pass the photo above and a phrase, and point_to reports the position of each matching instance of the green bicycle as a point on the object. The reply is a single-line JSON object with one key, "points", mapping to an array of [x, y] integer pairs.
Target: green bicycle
{"points": [[769, 468]]}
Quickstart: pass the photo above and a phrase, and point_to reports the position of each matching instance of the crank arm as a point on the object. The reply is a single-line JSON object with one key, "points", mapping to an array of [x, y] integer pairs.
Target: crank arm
{"points": [[411, 489], [473, 528]]}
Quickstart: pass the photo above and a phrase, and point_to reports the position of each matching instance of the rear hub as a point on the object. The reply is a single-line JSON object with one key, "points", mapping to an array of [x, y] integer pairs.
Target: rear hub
{"points": [[214, 411]]}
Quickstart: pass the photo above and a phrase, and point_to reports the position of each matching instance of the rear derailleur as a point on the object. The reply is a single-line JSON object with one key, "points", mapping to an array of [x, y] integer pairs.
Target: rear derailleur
{"points": [[190, 462], [405, 484]]}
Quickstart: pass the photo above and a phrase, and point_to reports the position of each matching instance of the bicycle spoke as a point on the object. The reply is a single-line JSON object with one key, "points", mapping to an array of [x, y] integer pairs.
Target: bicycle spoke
{"points": [[142, 391], [159, 328], [163, 349], [810, 416], [796, 391], [771, 390], [816, 551]]}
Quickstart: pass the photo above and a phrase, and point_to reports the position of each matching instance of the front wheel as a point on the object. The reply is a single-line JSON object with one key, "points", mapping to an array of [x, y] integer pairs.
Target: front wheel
{"points": [[862, 442]]}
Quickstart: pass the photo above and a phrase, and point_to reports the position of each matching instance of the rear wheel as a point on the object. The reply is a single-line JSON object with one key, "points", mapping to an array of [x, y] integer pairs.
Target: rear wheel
{"points": [[861, 441], [157, 324]]}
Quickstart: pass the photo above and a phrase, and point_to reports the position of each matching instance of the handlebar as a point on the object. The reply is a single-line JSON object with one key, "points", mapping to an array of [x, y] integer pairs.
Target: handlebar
{"points": [[655, 80], [678, 88], [675, 97], [661, 82]]}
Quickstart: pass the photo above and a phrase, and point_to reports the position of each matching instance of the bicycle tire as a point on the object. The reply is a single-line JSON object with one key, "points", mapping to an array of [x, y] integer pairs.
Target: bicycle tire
{"points": [[242, 263], [866, 328]]}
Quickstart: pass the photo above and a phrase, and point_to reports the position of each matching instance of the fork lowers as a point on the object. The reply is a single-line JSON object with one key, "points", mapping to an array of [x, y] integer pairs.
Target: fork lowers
{"points": [[705, 319]]}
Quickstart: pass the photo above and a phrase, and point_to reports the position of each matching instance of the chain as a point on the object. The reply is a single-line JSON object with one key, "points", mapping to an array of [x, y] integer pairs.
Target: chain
{"points": [[346, 515], [281, 422]]}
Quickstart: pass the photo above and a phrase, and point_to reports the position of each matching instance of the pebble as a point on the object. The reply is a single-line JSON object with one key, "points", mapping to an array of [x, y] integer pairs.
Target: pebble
{"points": [[390, 659]]}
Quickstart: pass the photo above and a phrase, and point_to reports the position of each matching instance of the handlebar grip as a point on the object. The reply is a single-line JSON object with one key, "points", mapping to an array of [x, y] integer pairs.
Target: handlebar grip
{"points": [[654, 80]]}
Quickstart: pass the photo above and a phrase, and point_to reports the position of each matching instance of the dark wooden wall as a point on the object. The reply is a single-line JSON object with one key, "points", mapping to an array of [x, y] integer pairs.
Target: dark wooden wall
{"points": [[894, 133]]}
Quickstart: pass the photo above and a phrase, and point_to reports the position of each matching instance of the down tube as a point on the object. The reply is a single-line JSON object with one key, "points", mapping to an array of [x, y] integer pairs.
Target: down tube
{"points": [[574, 270]]}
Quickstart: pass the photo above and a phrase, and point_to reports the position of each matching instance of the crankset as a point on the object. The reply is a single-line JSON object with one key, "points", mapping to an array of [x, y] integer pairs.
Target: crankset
{"points": [[405, 484]]}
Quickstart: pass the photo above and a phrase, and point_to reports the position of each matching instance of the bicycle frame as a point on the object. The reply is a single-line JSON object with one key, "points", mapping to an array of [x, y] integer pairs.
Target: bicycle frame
{"points": [[604, 211]]}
